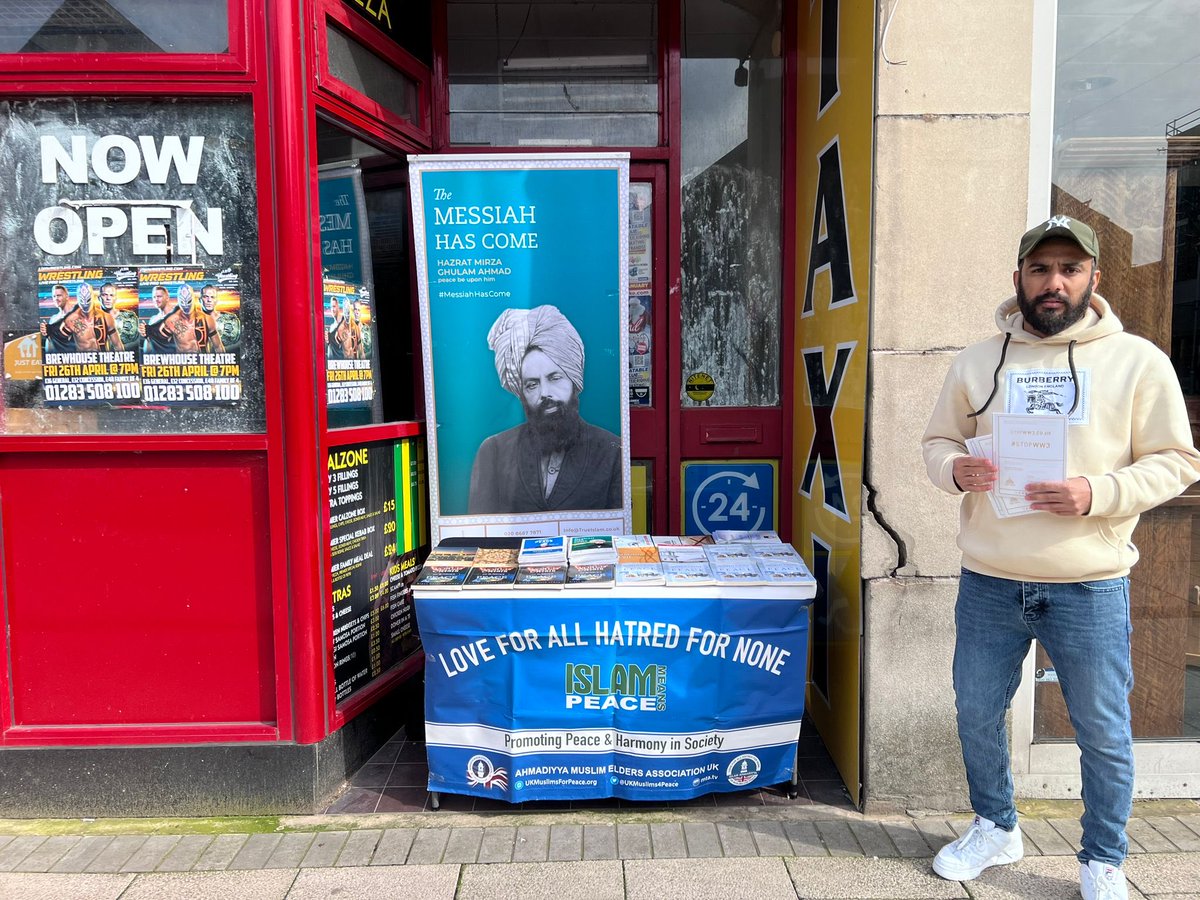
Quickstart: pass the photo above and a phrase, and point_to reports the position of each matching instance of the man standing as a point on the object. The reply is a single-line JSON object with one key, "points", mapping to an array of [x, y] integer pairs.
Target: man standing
{"points": [[159, 338], [1060, 574], [554, 461]]}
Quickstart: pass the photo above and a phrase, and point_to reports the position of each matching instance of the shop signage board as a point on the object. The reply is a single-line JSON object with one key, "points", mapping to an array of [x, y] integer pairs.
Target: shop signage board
{"points": [[637, 697], [516, 254], [374, 535], [729, 494]]}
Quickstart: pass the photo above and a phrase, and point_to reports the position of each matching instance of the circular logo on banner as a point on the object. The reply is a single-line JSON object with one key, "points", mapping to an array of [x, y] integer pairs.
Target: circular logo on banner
{"points": [[743, 769], [481, 773], [699, 386]]}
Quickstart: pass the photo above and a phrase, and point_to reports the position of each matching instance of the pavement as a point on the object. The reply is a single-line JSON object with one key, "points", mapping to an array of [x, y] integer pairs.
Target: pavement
{"points": [[758, 853]]}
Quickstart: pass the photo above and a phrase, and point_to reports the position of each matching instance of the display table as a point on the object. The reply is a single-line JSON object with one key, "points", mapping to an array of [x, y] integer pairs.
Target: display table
{"points": [[643, 694]]}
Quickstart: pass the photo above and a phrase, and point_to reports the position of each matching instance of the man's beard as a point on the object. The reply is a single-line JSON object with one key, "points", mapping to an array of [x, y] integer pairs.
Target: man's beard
{"points": [[554, 430], [1052, 322]]}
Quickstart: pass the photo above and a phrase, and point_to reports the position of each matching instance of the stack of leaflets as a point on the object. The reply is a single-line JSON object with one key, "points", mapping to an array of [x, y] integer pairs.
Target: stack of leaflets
{"points": [[780, 564], [446, 568], [591, 575], [681, 540], [542, 562], [591, 549], [543, 551], [734, 564], [685, 565], [638, 561], [746, 537], [492, 568]]}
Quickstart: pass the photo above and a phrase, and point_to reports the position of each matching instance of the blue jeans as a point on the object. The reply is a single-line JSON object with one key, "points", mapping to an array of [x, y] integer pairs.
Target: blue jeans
{"points": [[1084, 628]]}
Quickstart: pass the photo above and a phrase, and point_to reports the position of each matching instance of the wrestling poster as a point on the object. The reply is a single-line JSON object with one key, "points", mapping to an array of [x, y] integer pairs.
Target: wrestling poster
{"points": [[191, 330], [523, 273], [349, 344], [87, 321]]}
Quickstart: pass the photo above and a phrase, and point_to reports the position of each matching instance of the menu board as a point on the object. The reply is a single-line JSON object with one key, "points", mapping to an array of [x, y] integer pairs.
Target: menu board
{"points": [[373, 559]]}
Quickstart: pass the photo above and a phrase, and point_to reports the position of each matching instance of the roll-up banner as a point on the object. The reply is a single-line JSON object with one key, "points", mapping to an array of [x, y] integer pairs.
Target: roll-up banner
{"points": [[523, 278]]}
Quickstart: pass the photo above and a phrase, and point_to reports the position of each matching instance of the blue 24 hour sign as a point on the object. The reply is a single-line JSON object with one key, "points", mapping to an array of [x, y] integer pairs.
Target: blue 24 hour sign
{"points": [[729, 494]]}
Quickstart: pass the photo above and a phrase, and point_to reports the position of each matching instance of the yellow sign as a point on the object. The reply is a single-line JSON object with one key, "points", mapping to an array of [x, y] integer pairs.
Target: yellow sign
{"points": [[700, 386], [834, 151], [23, 358]]}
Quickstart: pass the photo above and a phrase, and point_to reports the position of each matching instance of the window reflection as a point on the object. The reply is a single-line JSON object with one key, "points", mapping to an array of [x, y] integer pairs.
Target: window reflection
{"points": [[114, 26], [1127, 161]]}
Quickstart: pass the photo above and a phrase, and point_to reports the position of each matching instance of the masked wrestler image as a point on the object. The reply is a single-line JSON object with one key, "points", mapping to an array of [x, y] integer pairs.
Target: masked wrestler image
{"points": [[75, 328], [555, 460]]}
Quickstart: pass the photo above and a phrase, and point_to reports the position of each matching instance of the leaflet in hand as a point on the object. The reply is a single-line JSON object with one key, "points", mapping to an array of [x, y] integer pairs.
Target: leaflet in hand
{"points": [[1004, 505], [1027, 449]]}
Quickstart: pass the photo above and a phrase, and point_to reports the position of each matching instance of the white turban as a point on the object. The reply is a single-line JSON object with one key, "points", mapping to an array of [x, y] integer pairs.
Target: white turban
{"points": [[544, 328]]}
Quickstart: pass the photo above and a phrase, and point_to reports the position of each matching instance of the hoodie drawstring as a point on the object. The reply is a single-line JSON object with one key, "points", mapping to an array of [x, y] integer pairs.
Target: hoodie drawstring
{"points": [[1000, 365], [1074, 377], [995, 377]]}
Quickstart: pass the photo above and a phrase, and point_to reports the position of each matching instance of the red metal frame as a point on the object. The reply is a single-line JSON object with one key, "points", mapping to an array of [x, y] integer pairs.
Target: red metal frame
{"points": [[107, 67], [194, 76], [360, 106]]}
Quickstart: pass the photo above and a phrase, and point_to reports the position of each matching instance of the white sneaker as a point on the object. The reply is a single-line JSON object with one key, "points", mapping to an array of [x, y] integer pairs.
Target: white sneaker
{"points": [[1101, 881], [983, 845]]}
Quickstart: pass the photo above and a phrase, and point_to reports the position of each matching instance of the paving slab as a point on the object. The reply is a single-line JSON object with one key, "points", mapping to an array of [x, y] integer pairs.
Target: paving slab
{"points": [[376, 883], [497, 843], [935, 832], [324, 850], [702, 840], [428, 846], [769, 838], [79, 856], [566, 843], [185, 854], [148, 857], [118, 851], [869, 879], [907, 839], [394, 847], [265, 884], [633, 841], [47, 853], [804, 839], [359, 847], [873, 839], [255, 852], [1071, 831], [667, 840], [55, 886], [1046, 841], [17, 849], [220, 853], [1151, 839], [838, 839], [703, 879], [583, 880], [1042, 877], [463, 845], [1176, 832], [599, 841], [736, 839], [532, 844], [1164, 873], [290, 851]]}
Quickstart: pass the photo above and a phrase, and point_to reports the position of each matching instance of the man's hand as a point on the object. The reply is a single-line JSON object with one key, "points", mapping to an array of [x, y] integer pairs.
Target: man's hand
{"points": [[1072, 497], [974, 473]]}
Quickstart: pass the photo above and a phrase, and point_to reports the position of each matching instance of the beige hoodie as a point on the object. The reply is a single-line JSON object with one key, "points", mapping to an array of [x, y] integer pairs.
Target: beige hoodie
{"points": [[1129, 437]]}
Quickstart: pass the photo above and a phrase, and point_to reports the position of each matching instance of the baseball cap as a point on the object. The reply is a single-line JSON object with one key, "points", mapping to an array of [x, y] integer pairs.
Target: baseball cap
{"points": [[1060, 227]]}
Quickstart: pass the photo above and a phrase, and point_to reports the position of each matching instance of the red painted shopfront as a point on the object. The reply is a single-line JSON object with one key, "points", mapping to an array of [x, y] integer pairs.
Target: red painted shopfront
{"points": [[167, 561], [177, 562]]}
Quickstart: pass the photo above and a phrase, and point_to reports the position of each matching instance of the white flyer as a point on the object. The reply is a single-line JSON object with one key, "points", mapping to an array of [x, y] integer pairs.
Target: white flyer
{"points": [[1028, 449], [1005, 506]]}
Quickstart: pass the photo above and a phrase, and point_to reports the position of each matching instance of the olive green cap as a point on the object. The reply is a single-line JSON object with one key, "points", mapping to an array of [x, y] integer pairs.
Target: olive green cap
{"points": [[1060, 227]]}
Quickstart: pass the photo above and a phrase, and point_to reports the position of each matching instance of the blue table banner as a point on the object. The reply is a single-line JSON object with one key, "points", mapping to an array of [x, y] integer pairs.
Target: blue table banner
{"points": [[580, 695]]}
